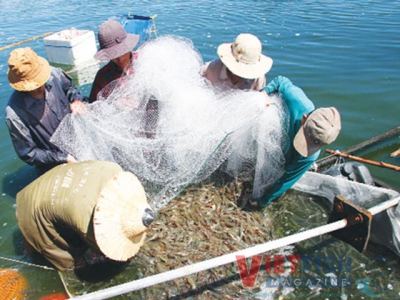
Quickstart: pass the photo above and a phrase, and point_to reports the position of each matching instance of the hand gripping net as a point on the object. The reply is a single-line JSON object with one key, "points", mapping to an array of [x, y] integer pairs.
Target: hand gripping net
{"points": [[166, 124]]}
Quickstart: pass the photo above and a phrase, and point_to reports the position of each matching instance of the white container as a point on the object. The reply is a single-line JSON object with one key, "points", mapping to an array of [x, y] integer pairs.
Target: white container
{"points": [[70, 46]]}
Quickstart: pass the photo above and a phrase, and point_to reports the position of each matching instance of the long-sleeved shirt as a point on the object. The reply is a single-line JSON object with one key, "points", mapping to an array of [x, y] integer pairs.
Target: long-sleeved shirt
{"points": [[295, 164], [216, 72], [110, 72], [52, 216], [32, 122]]}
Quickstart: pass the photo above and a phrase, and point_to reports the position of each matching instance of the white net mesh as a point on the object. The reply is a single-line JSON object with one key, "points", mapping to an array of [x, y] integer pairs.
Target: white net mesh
{"points": [[170, 127]]}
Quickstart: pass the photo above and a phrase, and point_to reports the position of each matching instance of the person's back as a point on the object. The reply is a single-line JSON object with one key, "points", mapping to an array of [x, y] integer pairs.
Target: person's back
{"points": [[111, 222], [241, 65], [309, 130]]}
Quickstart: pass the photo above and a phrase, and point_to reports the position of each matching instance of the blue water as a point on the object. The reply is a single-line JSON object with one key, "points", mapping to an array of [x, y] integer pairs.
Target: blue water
{"points": [[342, 53]]}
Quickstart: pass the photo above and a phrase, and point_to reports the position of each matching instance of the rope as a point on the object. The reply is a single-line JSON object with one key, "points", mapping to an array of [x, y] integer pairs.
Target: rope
{"points": [[25, 41], [26, 263]]}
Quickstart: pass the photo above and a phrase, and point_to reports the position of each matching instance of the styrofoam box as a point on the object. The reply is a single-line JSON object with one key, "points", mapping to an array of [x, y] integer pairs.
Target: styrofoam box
{"points": [[70, 46]]}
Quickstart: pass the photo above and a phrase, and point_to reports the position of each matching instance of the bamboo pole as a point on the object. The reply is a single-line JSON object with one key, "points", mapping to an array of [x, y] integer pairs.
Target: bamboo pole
{"points": [[364, 160], [321, 163], [227, 258], [25, 41]]}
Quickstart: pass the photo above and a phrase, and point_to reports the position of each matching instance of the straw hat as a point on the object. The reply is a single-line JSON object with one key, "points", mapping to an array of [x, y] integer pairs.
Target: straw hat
{"points": [[121, 217], [321, 128], [244, 57], [26, 70], [114, 41]]}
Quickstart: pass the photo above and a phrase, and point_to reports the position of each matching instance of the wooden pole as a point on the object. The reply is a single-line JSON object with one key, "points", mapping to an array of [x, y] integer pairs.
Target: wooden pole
{"points": [[25, 41], [227, 258], [321, 163], [367, 161]]}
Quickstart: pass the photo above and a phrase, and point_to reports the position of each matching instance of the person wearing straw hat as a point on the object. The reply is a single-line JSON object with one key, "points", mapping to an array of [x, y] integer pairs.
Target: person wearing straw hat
{"points": [[241, 65], [309, 130], [116, 47], [77, 212], [42, 97]]}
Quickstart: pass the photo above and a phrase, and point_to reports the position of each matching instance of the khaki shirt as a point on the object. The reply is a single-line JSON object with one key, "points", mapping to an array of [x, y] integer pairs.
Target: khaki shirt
{"points": [[216, 72], [55, 211]]}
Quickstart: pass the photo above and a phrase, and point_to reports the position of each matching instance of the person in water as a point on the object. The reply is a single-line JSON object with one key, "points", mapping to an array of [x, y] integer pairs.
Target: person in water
{"points": [[241, 65], [42, 97], [309, 130], [116, 47]]}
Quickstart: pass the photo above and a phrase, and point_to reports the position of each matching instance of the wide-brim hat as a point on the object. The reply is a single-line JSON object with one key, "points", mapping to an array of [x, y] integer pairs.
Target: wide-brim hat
{"points": [[26, 70], [321, 128], [118, 225], [244, 57], [114, 41]]}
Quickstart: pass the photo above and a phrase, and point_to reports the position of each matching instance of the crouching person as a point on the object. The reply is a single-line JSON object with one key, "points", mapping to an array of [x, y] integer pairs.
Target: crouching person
{"points": [[86, 207], [309, 130]]}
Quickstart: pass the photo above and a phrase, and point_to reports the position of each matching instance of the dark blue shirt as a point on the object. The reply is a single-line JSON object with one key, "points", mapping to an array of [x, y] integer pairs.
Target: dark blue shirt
{"points": [[32, 121]]}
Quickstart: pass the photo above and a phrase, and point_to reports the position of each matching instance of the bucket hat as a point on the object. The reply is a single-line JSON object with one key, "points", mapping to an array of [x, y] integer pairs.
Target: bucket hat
{"points": [[114, 41], [321, 128], [121, 217], [244, 58], [26, 70]]}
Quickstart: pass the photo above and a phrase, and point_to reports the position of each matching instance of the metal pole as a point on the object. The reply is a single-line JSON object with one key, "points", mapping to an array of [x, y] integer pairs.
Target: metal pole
{"points": [[227, 258]]}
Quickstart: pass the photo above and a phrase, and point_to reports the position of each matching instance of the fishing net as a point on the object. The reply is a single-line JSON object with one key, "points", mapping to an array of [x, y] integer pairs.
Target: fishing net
{"points": [[167, 125], [12, 284]]}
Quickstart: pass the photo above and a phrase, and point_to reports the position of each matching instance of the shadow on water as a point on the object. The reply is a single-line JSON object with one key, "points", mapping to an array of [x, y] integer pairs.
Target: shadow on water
{"points": [[209, 287], [100, 272], [14, 182], [25, 252], [19, 243]]}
